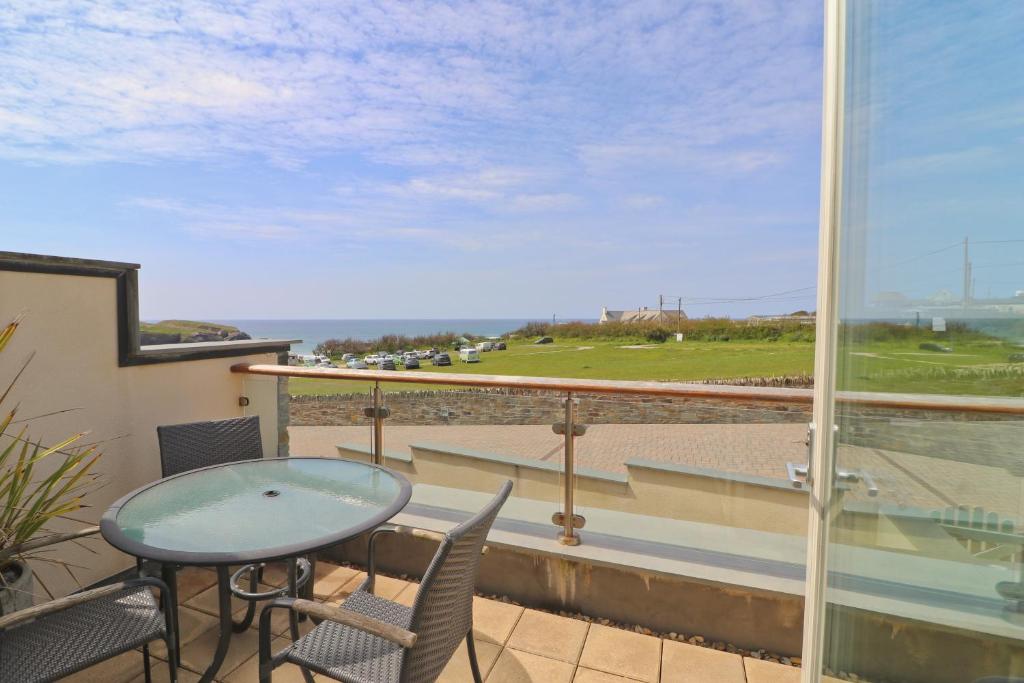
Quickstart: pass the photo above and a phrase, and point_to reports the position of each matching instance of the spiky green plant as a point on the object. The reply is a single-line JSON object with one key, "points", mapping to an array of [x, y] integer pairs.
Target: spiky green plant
{"points": [[30, 500]]}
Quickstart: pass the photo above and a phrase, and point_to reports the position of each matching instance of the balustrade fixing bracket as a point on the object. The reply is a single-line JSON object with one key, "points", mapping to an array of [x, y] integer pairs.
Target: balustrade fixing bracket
{"points": [[577, 429], [382, 412], [578, 521]]}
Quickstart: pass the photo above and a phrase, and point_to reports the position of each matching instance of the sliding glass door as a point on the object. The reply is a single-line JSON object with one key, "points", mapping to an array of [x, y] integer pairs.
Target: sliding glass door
{"points": [[917, 539]]}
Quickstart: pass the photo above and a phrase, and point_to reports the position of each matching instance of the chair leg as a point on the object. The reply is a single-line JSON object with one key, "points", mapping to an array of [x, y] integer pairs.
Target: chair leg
{"points": [[145, 663], [471, 648], [173, 668]]}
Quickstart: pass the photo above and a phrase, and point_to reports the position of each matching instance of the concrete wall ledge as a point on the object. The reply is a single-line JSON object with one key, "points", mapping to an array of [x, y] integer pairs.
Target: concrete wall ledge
{"points": [[363, 453], [640, 463], [581, 473]]}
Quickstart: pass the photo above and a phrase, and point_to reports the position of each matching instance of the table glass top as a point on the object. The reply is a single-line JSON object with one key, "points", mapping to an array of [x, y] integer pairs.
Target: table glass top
{"points": [[249, 506]]}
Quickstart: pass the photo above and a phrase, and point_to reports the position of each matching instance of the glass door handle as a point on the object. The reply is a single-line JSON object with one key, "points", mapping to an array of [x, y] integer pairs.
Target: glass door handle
{"points": [[794, 472]]}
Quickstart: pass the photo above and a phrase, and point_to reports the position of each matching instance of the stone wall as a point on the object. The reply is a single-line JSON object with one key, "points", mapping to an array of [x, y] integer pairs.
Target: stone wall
{"points": [[524, 407]]}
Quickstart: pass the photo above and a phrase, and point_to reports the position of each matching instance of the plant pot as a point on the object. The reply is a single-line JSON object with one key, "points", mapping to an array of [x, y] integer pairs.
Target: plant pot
{"points": [[16, 588]]}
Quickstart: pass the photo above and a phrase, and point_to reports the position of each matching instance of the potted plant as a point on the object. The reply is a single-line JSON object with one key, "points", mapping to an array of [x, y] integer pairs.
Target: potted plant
{"points": [[38, 484]]}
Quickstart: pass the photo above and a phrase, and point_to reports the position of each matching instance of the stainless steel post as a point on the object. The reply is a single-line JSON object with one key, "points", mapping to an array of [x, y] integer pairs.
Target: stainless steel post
{"points": [[378, 425], [567, 518]]}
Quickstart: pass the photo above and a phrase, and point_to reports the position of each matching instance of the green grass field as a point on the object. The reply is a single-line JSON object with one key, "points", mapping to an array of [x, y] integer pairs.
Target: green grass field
{"points": [[972, 368], [670, 361], [976, 367]]}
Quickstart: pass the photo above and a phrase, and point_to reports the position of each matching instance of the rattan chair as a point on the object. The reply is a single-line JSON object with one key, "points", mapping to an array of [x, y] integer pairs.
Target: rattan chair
{"points": [[58, 638], [193, 445], [185, 447], [372, 640]]}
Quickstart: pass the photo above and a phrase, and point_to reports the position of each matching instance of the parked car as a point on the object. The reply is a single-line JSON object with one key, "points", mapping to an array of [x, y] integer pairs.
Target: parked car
{"points": [[348, 356], [326, 364], [357, 364], [500, 346], [441, 359], [469, 355], [387, 364], [485, 346], [412, 363], [372, 359]]}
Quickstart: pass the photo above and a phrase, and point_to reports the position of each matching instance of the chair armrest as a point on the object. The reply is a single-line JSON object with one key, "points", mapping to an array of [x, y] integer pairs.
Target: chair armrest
{"points": [[340, 615], [426, 535], [74, 599], [37, 543]]}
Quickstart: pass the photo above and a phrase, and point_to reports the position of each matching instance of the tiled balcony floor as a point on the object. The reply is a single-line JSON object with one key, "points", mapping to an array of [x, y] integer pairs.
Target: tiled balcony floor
{"points": [[514, 644]]}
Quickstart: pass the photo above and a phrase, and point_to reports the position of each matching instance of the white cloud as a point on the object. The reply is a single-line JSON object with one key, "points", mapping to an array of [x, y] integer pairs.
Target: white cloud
{"points": [[465, 85]]}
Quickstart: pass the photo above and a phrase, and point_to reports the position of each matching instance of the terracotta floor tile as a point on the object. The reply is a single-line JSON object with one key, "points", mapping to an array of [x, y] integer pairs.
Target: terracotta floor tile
{"points": [[408, 595], [191, 623], [623, 653], [194, 580], [761, 671], [592, 676], [208, 601], [493, 620], [515, 666], [161, 674], [684, 663], [458, 670], [330, 578], [198, 654], [249, 671], [549, 635], [119, 669], [388, 588]]}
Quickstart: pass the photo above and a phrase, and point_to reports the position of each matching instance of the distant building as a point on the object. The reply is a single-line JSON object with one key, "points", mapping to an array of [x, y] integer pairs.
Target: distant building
{"points": [[641, 315]]}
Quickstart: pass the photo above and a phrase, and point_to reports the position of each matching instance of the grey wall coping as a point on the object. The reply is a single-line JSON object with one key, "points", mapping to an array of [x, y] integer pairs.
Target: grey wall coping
{"points": [[751, 479], [388, 454]]}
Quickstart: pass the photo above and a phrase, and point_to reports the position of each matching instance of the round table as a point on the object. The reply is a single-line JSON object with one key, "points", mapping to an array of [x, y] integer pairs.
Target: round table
{"points": [[248, 512]]}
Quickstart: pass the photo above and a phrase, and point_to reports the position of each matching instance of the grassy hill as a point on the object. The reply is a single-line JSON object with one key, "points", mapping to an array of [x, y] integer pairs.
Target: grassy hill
{"points": [[184, 327]]}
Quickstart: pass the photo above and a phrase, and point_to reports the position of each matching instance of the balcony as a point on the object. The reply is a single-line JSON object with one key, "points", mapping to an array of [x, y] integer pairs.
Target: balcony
{"points": [[653, 529]]}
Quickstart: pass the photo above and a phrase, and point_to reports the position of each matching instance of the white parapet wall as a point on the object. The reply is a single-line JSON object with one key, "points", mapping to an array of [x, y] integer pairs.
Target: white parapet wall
{"points": [[83, 379], [649, 488]]}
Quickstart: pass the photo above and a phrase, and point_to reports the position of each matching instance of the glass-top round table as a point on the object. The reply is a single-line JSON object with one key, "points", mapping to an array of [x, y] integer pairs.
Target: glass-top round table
{"points": [[254, 510], [249, 512]]}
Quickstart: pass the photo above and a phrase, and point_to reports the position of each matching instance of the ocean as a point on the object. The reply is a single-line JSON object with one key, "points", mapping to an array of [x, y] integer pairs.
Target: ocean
{"points": [[312, 332]]}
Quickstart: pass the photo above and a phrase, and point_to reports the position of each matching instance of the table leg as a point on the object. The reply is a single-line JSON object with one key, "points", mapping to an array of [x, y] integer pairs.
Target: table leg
{"points": [[250, 611], [224, 604], [293, 622], [169, 574], [307, 590], [293, 575]]}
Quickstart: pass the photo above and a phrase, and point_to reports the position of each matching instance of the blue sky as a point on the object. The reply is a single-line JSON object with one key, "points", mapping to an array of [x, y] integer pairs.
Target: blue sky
{"points": [[485, 159]]}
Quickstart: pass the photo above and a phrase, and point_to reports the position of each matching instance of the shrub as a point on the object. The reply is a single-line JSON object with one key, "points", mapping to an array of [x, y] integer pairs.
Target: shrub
{"points": [[657, 334]]}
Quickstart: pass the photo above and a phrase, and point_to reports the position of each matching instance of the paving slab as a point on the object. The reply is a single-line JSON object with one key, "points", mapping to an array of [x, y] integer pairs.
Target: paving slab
{"points": [[516, 666], [623, 653], [685, 663], [549, 635], [763, 671]]}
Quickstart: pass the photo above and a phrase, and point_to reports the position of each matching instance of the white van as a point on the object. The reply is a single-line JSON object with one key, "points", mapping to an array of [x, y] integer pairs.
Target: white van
{"points": [[469, 355], [485, 346]]}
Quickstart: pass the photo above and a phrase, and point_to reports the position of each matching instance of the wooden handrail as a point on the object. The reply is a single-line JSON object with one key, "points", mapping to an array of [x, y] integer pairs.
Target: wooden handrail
{"points": [[588, 386], [971, 404]]}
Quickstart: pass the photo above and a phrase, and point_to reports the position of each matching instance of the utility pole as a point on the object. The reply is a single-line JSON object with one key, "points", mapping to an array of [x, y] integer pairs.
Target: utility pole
{"points": [[967, 275]]}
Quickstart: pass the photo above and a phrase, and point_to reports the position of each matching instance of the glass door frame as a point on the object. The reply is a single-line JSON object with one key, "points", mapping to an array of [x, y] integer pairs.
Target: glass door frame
{"points": [[821, 468]]}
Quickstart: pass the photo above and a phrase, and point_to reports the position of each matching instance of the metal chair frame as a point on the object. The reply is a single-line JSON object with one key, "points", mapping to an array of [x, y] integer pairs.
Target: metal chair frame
{"points": [[426, 635], [52, 610]]}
